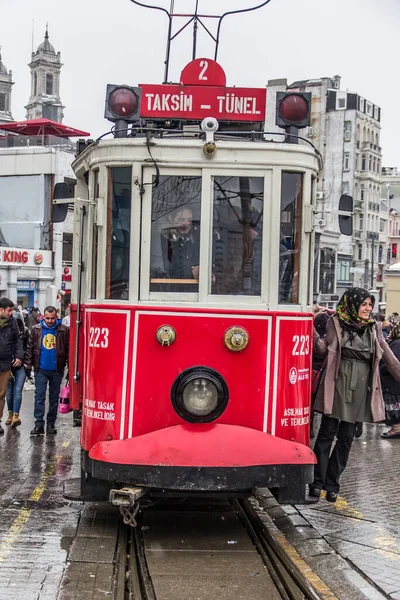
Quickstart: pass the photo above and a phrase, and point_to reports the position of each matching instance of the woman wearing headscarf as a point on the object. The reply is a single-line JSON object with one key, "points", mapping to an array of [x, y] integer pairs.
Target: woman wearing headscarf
{"points": [[391, 388], [350, 392]]}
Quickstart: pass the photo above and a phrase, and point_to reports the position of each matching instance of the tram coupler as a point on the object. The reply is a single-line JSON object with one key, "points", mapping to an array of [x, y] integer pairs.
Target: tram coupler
{"points": [[127, 499]]}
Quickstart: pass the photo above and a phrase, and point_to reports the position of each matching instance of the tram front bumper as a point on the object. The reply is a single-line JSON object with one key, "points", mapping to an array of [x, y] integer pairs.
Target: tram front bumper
{"points": [[203, 457]]}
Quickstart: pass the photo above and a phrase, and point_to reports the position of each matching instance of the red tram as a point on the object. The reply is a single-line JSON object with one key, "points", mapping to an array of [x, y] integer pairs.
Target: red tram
{"points": [[191, 323]]}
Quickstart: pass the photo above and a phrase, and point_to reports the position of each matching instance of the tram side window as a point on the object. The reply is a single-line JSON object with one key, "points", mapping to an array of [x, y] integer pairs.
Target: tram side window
{"points": [[289, 249], [175, 234], [237, 235], [118, 232], [95, 240]]}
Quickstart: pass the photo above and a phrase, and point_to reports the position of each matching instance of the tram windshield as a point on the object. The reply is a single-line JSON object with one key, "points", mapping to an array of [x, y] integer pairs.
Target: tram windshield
{"points": [[175, 234], [237, 235]]}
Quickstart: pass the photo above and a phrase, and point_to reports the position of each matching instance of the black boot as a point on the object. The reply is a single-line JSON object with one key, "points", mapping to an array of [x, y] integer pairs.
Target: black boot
{"points": [[359, 430]]}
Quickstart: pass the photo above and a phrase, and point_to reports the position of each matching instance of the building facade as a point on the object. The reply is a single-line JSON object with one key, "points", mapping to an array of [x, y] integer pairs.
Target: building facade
{"points": [[32, 248], [345, 128]]}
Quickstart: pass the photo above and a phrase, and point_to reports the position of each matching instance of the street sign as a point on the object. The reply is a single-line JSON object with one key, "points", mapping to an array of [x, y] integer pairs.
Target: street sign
{"points": [[198, 102]]}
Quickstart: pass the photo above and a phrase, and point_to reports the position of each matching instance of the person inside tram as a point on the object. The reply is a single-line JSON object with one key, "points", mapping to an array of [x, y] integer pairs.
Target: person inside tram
{"points": [[179, 251], [350, 391]]}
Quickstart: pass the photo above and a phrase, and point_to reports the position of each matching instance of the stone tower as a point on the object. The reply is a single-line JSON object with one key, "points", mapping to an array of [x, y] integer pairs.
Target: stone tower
{"points": [[45, 66], [5, 93]]}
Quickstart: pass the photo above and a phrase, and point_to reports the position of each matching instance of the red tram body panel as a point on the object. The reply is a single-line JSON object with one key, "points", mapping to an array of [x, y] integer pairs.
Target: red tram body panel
{"points": [[128, 417]]}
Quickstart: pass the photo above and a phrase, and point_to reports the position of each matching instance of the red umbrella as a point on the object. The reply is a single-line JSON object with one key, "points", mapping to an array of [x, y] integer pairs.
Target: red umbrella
{"points": [[43, 127]]}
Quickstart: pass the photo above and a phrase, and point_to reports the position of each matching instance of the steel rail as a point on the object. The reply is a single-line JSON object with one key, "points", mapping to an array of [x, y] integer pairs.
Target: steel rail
{"points": [[296, 585]]}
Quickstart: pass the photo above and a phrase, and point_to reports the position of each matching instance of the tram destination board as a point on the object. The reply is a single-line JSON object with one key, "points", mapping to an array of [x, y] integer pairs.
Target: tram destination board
{"points": [[199, 102]]}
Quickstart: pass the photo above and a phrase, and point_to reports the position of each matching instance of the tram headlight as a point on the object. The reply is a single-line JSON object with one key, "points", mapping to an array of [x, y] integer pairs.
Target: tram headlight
{"points": [[199, 395]]}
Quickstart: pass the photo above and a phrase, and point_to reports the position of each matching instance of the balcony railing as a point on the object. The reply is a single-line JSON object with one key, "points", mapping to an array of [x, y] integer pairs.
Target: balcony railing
{"points": [[371, 146], [357, 233]]}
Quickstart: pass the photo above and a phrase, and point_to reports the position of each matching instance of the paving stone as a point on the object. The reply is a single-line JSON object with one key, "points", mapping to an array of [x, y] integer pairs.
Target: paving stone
{"points": [[186, 531], [93, 549], [313, 547], [239, 588], [99, 520], [87, 581]]}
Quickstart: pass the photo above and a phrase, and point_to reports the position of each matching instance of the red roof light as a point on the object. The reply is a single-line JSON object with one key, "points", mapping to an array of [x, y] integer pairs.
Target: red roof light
{"points": [[294, 108], [123, 102]]}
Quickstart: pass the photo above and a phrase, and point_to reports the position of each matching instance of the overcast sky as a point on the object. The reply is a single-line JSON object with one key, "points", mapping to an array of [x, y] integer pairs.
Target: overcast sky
{"points": [[116, 41]]}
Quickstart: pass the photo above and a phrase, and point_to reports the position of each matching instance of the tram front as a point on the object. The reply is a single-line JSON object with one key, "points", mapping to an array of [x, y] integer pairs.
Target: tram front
{"points": [[192, 350]]}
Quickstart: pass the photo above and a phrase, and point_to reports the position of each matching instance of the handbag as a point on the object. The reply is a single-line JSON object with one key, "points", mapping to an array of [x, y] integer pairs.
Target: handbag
{"points": [[63, 406], [316, 376]]}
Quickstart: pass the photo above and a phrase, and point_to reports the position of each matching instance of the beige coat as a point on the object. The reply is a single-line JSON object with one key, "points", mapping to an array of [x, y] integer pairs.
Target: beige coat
{"points": [[331, 345]]}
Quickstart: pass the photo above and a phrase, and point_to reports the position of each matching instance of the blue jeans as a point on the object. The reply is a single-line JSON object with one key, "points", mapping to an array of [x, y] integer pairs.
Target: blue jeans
{"points": [[14, 390], [41, 379]]}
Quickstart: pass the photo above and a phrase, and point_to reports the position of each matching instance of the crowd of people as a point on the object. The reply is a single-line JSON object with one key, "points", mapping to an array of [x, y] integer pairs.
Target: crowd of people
{"points": [[30, 340], [356, 356]]}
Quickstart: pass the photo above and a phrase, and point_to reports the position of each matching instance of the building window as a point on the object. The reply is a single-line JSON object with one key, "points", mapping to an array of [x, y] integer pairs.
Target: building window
{"points": [[368, 108], [327, 271], [394, 250], [35, 84], [359, 252], [380, 255], [343, 270], [345, 187], [362, 192], [370, 164], [382, 225], [2, 102], [361, 222], [49, 84], [362, 104], [376, 113], [363, 162], [347, 131], [67, 247], [346, 162], [341, 101]]}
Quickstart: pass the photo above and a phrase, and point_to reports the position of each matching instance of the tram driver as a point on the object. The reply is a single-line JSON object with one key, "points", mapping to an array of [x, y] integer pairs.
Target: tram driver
{"points": [[176, 252]]}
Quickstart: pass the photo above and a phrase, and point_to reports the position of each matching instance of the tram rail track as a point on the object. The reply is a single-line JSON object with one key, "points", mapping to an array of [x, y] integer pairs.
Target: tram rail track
{"points": [[133, 580]]}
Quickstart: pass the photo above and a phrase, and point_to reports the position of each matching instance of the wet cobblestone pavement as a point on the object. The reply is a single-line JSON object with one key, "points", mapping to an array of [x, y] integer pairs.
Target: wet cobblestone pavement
{"points": [[53, 549], [363, 527]]}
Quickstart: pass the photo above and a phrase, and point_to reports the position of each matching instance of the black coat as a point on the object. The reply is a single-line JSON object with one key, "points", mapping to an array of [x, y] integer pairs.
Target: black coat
{"points": [[10, 344], [389, 384], [180, 255]]}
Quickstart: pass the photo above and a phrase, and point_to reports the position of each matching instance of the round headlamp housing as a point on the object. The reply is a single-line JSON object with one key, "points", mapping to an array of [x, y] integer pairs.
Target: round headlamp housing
{"points": [[199, 395]]}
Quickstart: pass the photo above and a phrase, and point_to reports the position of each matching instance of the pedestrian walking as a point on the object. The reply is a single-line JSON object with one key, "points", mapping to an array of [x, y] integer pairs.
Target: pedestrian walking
{"points": [[67, 319], [17, 378], [47, 353], [350, 391], [11, 349], [391, 388], [34, 318]]}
